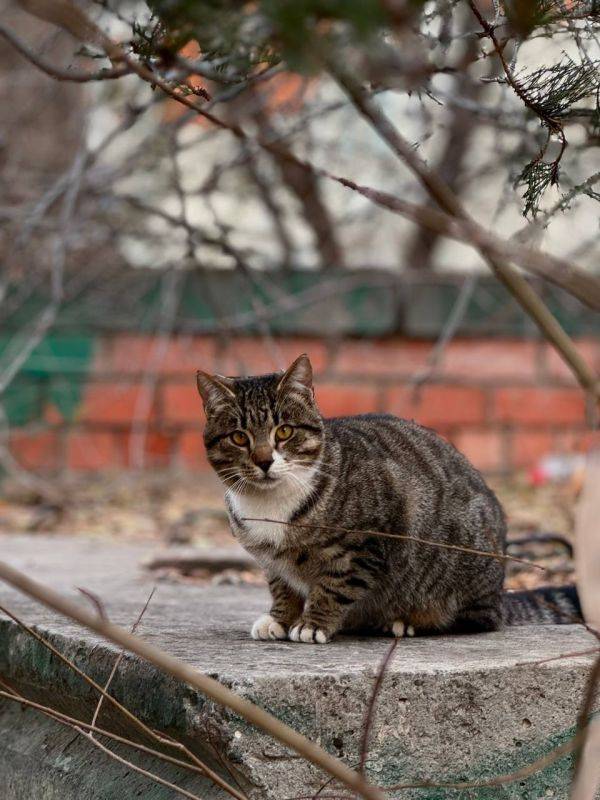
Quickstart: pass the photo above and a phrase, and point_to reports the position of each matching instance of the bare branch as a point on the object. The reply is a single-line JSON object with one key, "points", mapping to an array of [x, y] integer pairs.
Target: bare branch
{"points": [[117, 663], [58, 73], [450, 203], [66, 15], [564, 274]]}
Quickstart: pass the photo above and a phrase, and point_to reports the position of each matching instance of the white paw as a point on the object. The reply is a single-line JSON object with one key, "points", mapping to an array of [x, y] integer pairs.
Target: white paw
{"points": [[267, 627], [303, 632], [400, 629]]}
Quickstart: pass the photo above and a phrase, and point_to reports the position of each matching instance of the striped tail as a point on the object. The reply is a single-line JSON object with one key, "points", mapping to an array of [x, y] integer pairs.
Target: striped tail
{"points": [[548, 605]]}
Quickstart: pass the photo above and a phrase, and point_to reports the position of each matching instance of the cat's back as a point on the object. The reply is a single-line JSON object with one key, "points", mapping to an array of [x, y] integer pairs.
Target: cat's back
{"points": [[405, 442], [395, 468]]}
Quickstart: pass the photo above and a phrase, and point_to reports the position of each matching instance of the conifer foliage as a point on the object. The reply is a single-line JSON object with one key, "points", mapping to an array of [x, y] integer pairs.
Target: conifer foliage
{"points": [[404, 45]]}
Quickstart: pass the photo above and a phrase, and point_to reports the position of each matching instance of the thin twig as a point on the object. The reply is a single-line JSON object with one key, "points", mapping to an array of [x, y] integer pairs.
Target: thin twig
{"points": [[117, 663], [405, 536], [48, 316], [140, 770], [370, 713], [95, 601], [58, 73], [562, 656], [451, 325], [170, 295]]}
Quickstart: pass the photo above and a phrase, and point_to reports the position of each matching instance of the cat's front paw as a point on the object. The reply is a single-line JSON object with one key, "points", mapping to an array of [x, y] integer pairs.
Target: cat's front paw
{"points": [[267, 627], [309, 633]]}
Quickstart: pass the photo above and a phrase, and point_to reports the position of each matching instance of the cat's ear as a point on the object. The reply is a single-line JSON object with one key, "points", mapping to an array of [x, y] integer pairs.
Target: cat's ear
{"points": [[214, 388], [299, 375]]}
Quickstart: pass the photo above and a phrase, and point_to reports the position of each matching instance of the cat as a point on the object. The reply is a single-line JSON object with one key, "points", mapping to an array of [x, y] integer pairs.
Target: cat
{"points": [[359, 522]]}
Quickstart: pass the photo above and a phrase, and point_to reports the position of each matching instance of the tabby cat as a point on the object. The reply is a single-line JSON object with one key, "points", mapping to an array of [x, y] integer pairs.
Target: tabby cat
{"points": [[305, 496]]}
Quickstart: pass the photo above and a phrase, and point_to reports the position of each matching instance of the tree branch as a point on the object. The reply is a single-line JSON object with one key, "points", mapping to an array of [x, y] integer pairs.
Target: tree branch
{"points": [[58, 73], [449, 202]]}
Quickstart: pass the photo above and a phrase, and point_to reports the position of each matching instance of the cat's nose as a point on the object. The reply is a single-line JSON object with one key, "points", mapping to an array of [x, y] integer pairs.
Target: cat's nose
{"points": [[264, 465], [263, 456]]}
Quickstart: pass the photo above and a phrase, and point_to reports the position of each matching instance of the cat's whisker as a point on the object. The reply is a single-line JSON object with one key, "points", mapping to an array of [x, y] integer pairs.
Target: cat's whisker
{"points": [[311, 492], [240, 483]]}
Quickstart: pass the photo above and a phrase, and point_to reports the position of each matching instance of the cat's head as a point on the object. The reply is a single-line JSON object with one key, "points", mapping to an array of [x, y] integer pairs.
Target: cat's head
{"points": [[264, 431]]}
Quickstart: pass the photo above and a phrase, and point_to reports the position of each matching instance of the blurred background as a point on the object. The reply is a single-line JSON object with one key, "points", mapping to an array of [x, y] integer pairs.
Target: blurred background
{"points": [[141, 242]]}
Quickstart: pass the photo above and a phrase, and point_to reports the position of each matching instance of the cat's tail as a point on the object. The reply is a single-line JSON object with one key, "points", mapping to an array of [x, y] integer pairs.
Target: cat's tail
{"points": [[547, 605]]}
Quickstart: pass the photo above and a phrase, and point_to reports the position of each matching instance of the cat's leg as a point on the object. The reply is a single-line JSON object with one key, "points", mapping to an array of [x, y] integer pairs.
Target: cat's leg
{"points": [[324, 612], [286, 607]]}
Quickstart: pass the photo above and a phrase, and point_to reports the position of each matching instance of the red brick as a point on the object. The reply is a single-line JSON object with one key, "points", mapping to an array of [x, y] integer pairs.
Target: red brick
{"points": [[464, 359], [438, 405], [539, 406], [190, 451], [158, 448], [528, 447], [556, 368], [123, 353], [112, 403], [483, 448], [36, 450], [181, 402], [94, 450], [135, 354], [494, 359], [380, 357], [338, 399], [255, 356]]}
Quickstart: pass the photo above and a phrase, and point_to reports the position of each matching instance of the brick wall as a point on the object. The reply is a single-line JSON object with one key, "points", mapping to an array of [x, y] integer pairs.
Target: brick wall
{"points": [[504, 402]]}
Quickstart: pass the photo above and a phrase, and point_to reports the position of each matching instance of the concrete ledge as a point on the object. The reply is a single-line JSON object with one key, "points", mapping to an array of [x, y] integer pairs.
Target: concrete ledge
{"points": [[451, 708]]}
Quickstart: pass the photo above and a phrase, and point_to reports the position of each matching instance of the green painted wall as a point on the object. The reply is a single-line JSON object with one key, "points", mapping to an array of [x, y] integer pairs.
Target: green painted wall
{"points": [[350, 303]]}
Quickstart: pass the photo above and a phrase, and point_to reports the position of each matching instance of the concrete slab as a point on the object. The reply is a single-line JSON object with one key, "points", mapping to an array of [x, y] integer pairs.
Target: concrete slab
{"points": [[451, 708]]}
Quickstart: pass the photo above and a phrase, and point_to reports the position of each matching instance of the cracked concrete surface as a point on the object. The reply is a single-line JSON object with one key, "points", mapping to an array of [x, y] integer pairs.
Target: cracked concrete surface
{"points": [[451, 708]]}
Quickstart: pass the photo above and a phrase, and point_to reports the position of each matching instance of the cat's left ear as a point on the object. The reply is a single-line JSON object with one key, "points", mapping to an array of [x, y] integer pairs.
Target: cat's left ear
{"points": [[298, 375], [214, 388]]}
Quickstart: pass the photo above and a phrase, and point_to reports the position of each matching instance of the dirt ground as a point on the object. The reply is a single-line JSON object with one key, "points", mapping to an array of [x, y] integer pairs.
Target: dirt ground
{"points": [[188, 509]]}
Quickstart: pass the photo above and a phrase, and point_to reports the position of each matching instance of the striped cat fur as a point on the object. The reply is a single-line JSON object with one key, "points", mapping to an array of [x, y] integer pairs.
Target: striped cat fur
{"points": [[300, 489]]}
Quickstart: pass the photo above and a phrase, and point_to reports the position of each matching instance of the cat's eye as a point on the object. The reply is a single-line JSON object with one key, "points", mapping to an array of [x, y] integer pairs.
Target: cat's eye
{"points": [[283, 432], [239, 438]]}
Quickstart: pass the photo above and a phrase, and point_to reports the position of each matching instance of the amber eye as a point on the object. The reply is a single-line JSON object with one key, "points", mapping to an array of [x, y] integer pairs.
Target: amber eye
{"points": [[283, 432], [239, 438]]}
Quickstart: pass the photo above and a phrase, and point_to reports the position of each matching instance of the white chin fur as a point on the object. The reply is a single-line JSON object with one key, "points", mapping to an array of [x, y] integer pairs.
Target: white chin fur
{"points": [[276, 500]]}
